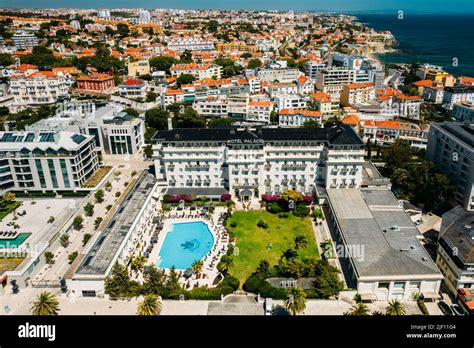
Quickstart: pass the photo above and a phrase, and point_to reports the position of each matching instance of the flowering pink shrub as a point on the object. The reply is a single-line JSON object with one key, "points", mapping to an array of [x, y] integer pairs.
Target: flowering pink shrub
{"points": [[226, 197], [271, 198]]}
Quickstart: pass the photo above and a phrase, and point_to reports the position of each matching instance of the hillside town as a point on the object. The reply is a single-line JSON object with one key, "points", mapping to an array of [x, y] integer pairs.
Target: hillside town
{"points": [[211, 162]]}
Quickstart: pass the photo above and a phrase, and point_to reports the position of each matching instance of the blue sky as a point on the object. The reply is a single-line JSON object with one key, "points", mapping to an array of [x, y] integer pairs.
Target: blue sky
{"points": [[422, 6]]}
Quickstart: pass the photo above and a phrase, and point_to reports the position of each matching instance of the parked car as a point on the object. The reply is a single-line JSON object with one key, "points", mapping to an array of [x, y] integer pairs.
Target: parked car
{"points": [[445, 308], [268, 306], [457, 309]]}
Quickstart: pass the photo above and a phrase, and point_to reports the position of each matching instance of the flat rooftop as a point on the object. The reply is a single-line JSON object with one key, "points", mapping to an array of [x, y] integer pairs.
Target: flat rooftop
{"points": [[103, 252], [374, 221]]}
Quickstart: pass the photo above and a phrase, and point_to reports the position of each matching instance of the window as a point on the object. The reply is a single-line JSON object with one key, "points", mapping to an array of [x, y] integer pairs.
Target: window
{"points": [[384, 286], [39, 169], [399, 285], [52, 173], [65, 173]]}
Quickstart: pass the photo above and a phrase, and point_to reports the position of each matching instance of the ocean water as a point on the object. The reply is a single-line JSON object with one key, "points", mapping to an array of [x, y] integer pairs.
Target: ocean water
{"points": [[440, 39]]}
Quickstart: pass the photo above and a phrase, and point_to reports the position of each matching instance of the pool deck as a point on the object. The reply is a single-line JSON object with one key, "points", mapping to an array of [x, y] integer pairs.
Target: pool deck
{"points": [[35, 221], [220, 246]]}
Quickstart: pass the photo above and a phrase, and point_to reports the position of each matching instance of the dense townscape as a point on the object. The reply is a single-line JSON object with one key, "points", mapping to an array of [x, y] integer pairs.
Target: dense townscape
{"points": [[229, 162]]}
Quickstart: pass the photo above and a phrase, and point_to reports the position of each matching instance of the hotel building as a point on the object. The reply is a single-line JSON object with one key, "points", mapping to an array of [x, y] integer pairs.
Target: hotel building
{"points": [[251, 162], [46, 161]]}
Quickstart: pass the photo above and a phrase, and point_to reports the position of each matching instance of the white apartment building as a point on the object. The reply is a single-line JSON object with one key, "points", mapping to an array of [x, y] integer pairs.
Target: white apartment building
{"points": [[304, 85], [281, 88], [104, 14], [114, 131], [290, 101], [332, 80], [133, 88], [296, 118], [464, 111], [259, 111], [312, 67], [434, 94], [451, 149], [381, 246], [46, 161], [357, 93], [457, 94], [255, 84], [190, 44], [456, 242], [211, 107], [280, 75], [199, 71], [239, 107], [24, 40], [250, 162], [408, 105], [39, 88], [144, 17]]}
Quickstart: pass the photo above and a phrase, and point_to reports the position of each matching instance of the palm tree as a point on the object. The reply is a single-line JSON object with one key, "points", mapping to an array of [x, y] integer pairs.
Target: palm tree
{"points": [[150, 305], [295, 301], [289, 254], [358, 309], [300, 242], [138, 263], [45, 304], [197, 266], [395, 307], [225, 264]]}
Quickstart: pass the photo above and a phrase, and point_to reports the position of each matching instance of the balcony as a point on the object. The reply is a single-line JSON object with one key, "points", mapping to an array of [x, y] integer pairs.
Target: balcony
{"points": [[293, 166], [197, 166]]}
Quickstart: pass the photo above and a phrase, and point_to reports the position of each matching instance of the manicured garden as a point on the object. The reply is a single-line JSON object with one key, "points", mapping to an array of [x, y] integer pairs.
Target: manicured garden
{"points": [[97, 177], [9, 264], [7, 207], [256, 243], [8, 204]]}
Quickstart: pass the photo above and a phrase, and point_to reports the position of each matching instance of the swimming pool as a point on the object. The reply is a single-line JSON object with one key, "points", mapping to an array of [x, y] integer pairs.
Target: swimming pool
{"points": [[13, 243], [184, 244]]}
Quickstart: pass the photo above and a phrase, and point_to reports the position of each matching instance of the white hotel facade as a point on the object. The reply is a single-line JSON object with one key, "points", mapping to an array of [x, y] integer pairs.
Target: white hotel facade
{"points": [[250, 162]]}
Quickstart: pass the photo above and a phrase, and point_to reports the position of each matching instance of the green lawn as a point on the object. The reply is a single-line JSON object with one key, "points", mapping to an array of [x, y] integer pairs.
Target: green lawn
{"points": [[6, 209], [252, 241]]}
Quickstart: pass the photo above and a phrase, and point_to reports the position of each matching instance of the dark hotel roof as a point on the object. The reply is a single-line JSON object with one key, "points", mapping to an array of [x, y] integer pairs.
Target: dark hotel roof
{"points": [[337, 135]]}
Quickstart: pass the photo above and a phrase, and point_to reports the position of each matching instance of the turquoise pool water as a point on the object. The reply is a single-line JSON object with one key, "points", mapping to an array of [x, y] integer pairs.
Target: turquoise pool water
{"points": [[184, 244], [13, 243]]}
